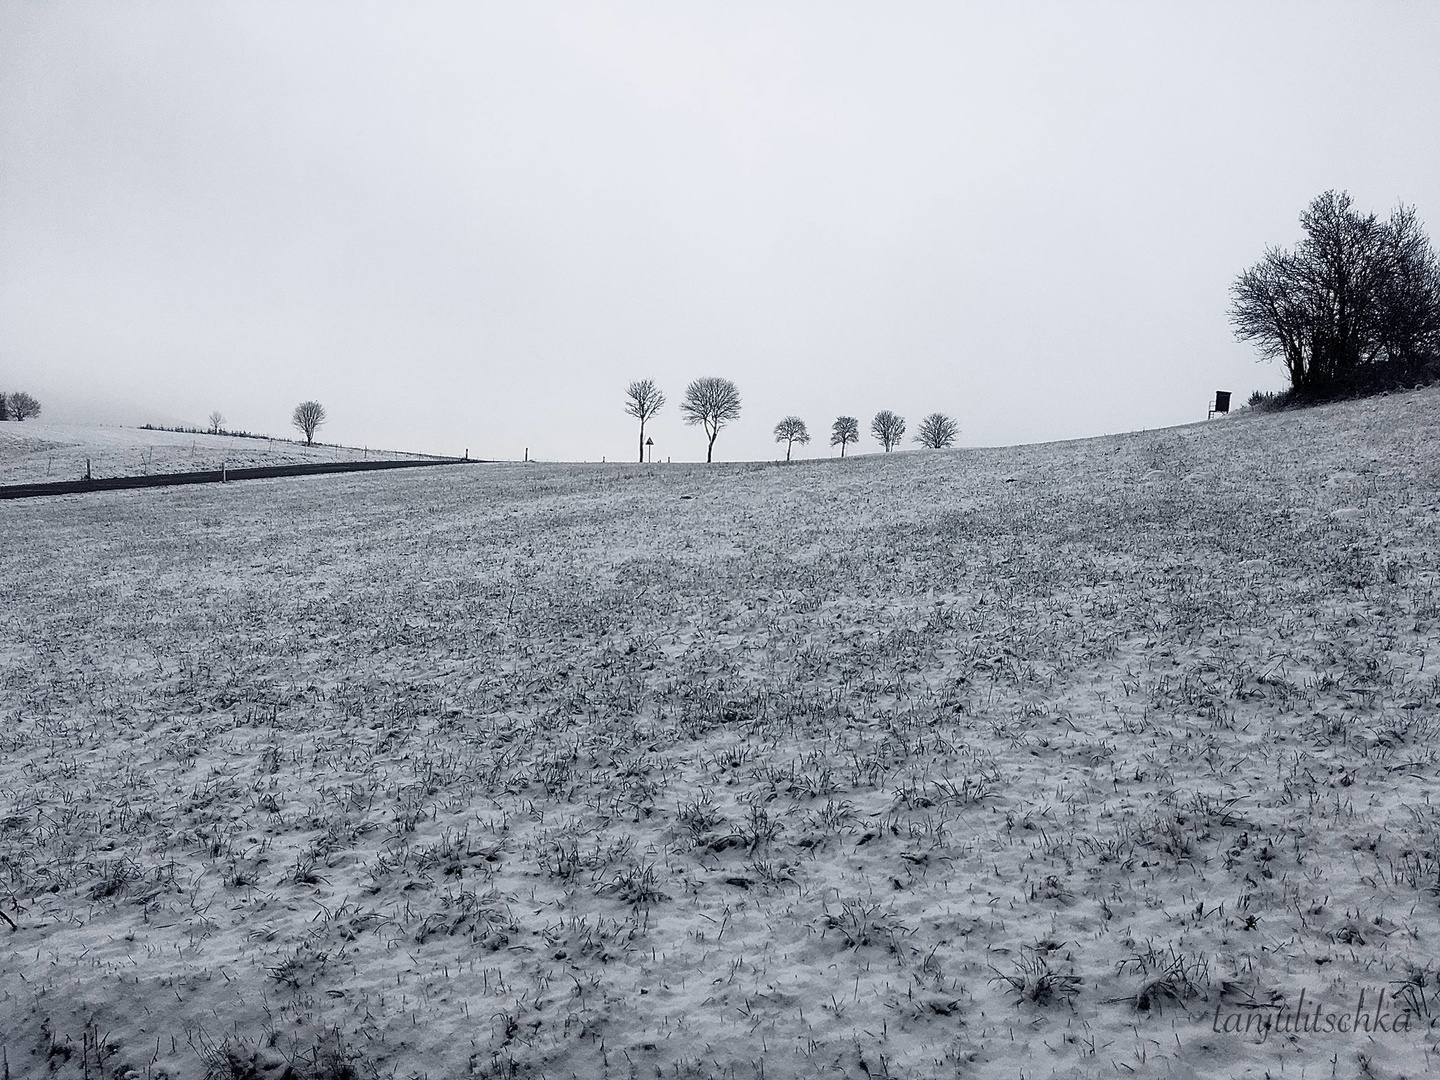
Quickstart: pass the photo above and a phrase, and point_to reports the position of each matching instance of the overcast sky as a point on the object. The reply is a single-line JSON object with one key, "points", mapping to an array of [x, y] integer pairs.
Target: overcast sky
{"points": [[470, 225]]}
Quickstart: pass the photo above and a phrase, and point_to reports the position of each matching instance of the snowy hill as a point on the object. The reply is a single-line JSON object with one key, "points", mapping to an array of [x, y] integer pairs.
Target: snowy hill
{"points": [[1047, 760], [37, 450]]}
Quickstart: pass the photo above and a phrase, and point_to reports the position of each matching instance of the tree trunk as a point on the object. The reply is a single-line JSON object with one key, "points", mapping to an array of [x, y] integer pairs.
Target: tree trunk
{"points": [[642, 442]]}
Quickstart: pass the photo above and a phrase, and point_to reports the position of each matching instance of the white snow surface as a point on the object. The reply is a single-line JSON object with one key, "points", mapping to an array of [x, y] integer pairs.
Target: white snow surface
{"points": [[1040, 761]]}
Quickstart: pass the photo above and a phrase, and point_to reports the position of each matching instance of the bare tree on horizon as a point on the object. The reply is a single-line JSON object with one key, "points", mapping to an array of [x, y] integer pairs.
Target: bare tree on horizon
{"points": [[790, 431], [937, 431], [217, 422], [888, 429], [308, 417], [644, 400], [844, 431], [713, 402]]}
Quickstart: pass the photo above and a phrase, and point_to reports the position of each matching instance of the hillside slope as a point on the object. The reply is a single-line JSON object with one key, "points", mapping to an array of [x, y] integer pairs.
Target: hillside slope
{"points": [[1053, 760], [37, 450]]}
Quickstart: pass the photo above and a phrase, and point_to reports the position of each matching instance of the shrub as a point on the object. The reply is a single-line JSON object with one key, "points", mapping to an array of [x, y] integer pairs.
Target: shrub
{"points": [[1269, 401]]}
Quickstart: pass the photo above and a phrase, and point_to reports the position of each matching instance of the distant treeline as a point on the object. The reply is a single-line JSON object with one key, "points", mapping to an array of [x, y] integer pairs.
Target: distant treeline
{"points": [[209, 431], [185, 430]]}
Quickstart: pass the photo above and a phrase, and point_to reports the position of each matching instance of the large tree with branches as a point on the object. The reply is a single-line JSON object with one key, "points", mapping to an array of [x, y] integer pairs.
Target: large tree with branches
{"points": [[1355, 306], [790, 431], [843, 432], [643, 399], [23, 406], [308, 417], [937, 431], [712, 403], [888, 429]]}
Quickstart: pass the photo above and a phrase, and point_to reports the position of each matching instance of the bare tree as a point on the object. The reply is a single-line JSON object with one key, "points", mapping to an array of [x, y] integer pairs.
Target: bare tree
{"points": [[888, 429], [217, 422], [844, 431], [23, 406], [1354, 307], [1408, 322], [308, 417], [712, 402], [790, 431], [4, 407], [937, 431], [643, 400]]}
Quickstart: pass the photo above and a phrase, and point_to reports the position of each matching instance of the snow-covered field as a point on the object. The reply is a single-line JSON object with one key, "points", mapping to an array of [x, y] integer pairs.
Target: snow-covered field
{"points": [[34, 451], [1051, 760]]}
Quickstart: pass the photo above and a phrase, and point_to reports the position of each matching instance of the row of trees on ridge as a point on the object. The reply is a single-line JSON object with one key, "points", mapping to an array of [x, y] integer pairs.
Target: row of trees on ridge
{"points": [[712, 403], [307, 418]]}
